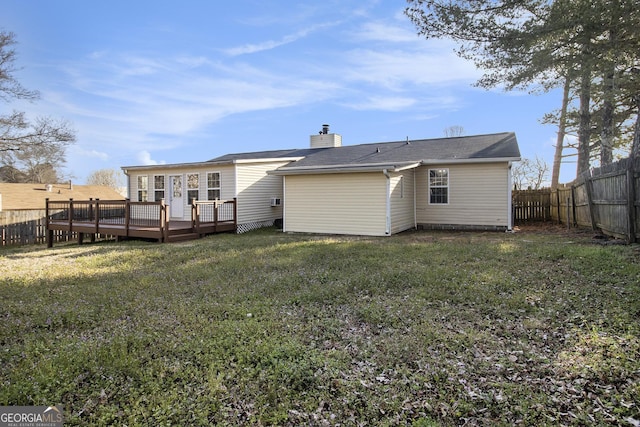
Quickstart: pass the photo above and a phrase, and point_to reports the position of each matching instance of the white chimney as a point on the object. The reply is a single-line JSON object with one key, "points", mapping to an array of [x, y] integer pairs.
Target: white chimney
{"points": [[324, 139]]}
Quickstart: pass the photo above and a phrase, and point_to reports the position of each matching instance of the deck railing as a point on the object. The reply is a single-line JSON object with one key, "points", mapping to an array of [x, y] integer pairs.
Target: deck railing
{"points": [[216, 214], [117, 217], [137, 219]]}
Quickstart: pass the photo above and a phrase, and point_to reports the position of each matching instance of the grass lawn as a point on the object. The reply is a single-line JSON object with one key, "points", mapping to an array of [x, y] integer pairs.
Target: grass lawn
{"points": [[265, 328]]}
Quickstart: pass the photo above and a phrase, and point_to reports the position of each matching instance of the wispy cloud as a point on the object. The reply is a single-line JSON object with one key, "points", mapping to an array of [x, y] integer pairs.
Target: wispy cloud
{"points": [[272, 44], [387, 32], [393, 68], [383, 103]]}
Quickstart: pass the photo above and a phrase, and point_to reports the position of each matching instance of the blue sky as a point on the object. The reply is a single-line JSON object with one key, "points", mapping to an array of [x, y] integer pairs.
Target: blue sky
{"points": [[147, 82]]}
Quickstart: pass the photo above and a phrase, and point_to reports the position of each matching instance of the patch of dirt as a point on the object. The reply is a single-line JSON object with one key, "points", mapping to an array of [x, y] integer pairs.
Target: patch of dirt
{"points": [[553, 228], [550, 228]]}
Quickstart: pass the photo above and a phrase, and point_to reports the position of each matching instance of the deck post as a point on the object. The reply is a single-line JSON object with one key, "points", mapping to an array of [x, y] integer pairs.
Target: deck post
{"points": [[90, 209], [49, 232], [97, 220], [195, 218], [235, 214], [80, 237], [70, 215], [164, 222], [216, 206], [127, 216]]}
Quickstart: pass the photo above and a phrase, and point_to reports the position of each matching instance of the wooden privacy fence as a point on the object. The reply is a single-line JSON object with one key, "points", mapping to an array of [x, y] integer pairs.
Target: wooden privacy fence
{"points": [[605, 199], [28, 227], [531, 205]]}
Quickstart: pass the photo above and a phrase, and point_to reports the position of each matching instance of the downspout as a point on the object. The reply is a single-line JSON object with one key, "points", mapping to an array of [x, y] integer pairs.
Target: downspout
{"points": [[509, 199], [284, 204], [126, 173], [415, 204], [388, 210]]}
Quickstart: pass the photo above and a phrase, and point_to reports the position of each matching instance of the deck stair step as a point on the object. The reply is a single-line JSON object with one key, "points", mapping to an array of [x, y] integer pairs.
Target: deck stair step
{"points": [[183, 237]]}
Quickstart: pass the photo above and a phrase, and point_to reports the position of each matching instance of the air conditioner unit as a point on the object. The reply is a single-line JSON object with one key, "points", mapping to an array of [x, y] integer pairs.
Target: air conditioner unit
{"points": [[275, 201]]}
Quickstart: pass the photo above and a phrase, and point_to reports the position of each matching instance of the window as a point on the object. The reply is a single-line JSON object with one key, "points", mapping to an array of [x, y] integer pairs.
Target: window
{"points": [[193, 183], [213, 185], [158, 187], [143, 187], [438, 186]]}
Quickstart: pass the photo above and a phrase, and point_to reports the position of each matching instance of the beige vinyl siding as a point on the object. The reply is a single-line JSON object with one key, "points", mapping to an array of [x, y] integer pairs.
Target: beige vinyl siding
{"points": [[353, 203], [478, 195], [227, 183], [402, 201], [255, 190]]}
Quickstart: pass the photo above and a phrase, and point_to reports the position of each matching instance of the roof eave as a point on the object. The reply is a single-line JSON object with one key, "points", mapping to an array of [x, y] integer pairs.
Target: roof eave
{"points": [[316, 170], [125, 169], [292, 170], [268, 160], [209, 163], [471, 160]]}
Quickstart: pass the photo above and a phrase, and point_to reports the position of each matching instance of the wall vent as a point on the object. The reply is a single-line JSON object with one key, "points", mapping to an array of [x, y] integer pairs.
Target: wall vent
{"points": [[275, 201]]}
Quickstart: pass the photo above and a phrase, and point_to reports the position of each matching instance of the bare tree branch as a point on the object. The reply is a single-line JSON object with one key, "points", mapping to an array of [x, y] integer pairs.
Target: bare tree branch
{"points": [[29, 150]]}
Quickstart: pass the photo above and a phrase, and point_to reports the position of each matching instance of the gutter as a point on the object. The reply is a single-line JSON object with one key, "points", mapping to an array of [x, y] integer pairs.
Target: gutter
{"points": [[210, 163], [390, 167], [454, 161], [346, 168]]}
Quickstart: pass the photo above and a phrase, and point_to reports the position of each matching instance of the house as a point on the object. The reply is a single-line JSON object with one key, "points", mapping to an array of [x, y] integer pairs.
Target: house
{"points": [[374, 189], [23, 208], [240, 176], [20, 197]]}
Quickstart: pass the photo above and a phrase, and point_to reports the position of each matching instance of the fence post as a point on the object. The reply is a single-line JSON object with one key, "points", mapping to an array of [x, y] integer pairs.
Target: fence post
{"points": [[573, 206], [559, 208], [631, 202], [588, 182]]}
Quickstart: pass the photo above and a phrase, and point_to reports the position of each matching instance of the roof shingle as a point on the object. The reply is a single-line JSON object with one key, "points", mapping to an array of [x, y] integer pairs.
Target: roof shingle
{"points": [[499, 146]]}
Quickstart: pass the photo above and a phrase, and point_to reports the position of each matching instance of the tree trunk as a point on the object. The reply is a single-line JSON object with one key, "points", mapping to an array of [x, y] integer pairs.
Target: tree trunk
{"points": [[584, 130], [635, 147], [562, 125], [606, 133]]}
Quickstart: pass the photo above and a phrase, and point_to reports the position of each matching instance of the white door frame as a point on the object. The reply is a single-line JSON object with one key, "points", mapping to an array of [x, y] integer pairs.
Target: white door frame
{"points": [[176, 196]]}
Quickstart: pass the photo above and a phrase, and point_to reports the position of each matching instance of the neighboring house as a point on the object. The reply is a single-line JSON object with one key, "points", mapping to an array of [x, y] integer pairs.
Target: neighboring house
{"points": [[368, 189], [15, 197], [22, 208]]}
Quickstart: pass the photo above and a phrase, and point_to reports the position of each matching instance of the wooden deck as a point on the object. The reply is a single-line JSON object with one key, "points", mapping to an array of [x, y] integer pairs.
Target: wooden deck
{"points": [[145, 220]]}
